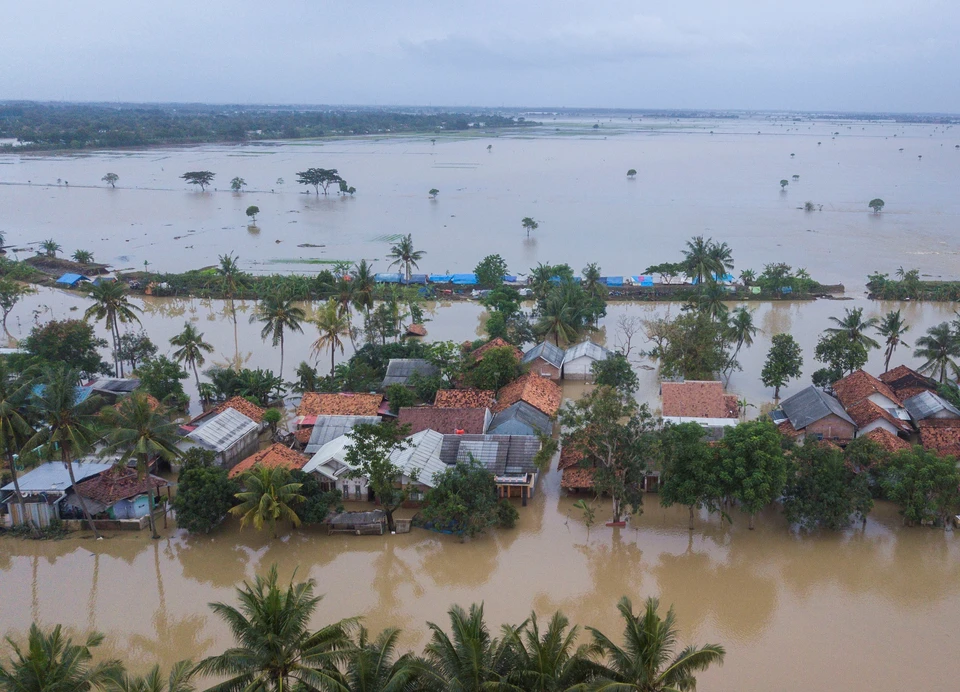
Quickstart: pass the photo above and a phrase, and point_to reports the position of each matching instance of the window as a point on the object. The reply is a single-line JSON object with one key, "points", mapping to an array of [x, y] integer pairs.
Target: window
{"points": [[356, 491], [346, 490]]}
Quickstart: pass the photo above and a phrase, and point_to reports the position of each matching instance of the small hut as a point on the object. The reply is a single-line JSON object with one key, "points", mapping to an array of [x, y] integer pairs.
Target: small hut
{"points": [[372, 523]]}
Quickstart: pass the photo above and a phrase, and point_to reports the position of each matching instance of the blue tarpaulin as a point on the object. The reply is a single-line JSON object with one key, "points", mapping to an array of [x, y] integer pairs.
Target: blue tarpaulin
{"points": [[726, 279], [71, 279], [642, 280], [786, 289], [510, 279], [614, 281], [464, 279], [417, 279], [387, 278], [440, 278]]}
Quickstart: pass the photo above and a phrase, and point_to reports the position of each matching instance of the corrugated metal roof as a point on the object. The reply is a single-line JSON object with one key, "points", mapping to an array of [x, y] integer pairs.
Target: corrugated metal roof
{"points": [[118, 386], [513, 454], [521, 419], [585, 348], [550, 353], [328, 428], [54, 476], [223, 430], [810, 405], [926, 404], [399, 370]]}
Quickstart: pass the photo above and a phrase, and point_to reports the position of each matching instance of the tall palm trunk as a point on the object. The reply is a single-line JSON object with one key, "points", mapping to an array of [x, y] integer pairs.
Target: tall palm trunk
{"points": [[20, 502], [153, 524], [236, 340], [73, 484], [887, 356], [193, 363], [280, 374], [332, 352]]}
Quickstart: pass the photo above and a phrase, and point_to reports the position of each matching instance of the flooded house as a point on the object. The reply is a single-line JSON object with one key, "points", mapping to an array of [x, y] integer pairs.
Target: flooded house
{"points": [[521, 418], [811, 412], [116, 494], [578, 360], [230, 435], [44, 489], [113, 389], [699, 401], [540, 392], [326, 428], [545, 359], [274, 456], [452, 421]]}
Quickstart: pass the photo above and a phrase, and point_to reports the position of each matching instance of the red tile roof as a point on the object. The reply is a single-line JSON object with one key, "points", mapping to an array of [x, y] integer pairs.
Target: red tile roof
{"points": [[859, 385], [698, 399], [866, 412], [343, 404], [447, 421], [118, 484], [540, 392], [302, 435], [416, 330], [786, 428], [478, 353], [570, 456], [238, 403], [941, 435], [577, 478], [887, 440], [907, 382], [273, 456], [464, 398]]}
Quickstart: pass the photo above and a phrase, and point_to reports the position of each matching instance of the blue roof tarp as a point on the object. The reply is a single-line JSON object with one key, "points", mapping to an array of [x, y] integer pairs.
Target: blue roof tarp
{"points": [[387, 278], [417, 279], [71, 279], [440, 278], [642, 280], [510, 279], [464, 279], [786, 289], [614, 281], [725, 278]]}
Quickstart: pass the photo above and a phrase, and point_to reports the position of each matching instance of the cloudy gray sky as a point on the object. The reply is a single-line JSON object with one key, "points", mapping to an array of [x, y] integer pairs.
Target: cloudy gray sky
{"points": [[896, 55]]}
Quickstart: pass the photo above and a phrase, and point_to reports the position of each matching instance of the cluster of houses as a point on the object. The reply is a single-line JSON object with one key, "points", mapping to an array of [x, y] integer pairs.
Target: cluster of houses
{"points": [[896, 410]]}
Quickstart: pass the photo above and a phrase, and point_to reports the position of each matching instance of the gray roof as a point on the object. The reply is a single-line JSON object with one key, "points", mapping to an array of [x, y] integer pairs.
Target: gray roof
{"points": [[520, 419], [115, 386], [358, 518], [423, 456], [585, 348], [331, 427], [502, 455], [54, 476], [399, 370], [927, 404], [224, 430], [810, 405], [550, 353]]}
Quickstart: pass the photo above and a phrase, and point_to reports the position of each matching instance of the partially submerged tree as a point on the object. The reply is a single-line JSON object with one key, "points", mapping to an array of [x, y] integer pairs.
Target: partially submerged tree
{"points": [[252, 212], [190, 348], [370, 456], [434, 192], [237, 184], [111, 179], [784, 361], [205, 493], [490, 271], [201, 178], [529, 224], [752, 469], [463, 500], [632, 173], [876, 204], [268, 496], [319, 178], [688, 475]]}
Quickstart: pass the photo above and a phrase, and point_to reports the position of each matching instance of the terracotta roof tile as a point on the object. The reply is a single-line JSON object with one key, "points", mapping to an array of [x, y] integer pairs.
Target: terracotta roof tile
{"points": [[906, 382], [866, 412], [697, 399], [887, 440], [569, 456], [343, 404], [941, 436], [539, 392], [238, 403], [447, 421], [859, 385], [577, 478], [416, 330], [478, 353], [117, 484], [273, 456], [302, 435], [786, 428], [152, 402], [464, 398]]}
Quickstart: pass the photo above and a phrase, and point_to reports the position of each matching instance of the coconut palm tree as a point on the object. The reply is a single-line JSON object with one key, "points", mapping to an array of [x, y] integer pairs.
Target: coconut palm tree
{"points": [[698, 261], [14, 429], [892, 327], [190, 349], [855, 327], [343, 294], [468, 659], [278, 313], [268, 497], [741, 329], [373, 666], [363, 286], [721, 255], [591, 281], [710, 302], [153, 681], [648, 661], [332, 326], [50, 247], [137, 430], [110, 304], [403, 254], [939, 348], [52, 662], [550, 662], [69, 424], [232, 282], [274, 650], [747, 277], [558, 318], [83, 257]]}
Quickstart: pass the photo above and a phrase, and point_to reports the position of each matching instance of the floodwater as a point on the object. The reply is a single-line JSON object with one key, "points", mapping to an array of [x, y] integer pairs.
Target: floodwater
{"points": [[713, 177]]}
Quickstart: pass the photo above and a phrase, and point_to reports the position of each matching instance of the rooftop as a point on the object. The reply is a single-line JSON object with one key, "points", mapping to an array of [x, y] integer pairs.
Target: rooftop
{"points": [[865, 412], [328, 428], [906, 382], [274, 456], [585, 349], [887, 440], [537, 391], [445, 420], [464, 398], [550, 353], [576, 478], [927, 405], [518, 417], [810, 405], [54, 476], [343, 404], [478, 353], [224, 430], [698, 399], [941, 436], [247, 408], [400, 370], [859, 385], [502, 455], [114, 386], [118, 484]]}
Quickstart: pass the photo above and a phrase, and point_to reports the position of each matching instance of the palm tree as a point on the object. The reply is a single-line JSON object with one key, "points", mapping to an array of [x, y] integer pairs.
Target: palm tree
{"points": [[403, 254], [110, 304], [14, 429], [748, 276], [711, 302], [232, 281], [471, 659], [69, 425], [591, 281], [373, 667], [274, 650], [332, 326], [52, 662], [343, 294], [268, 497], [83, 257], [721, 255], [191, 348], [138, 431], [153, 681], [892, 327], [697, 261], [540, 277], [939, 348], [741, 329], [278, 313], [362, 278], [648, 662], [549, 662], [50, 247], [558, 318], [855, 328]]}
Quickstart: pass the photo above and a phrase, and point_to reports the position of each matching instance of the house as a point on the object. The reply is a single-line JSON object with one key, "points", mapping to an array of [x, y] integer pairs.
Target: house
{"points": [[44, 489], [72, 280], [477, 354], [237, 403], [578, 359], [887, 440], [112, 389], [400, 370], [545, 360], [812, 412], [510, 458], [929, 405], [941, 435], [697, 399], [342, 404], [869, 416], [860, 386], [577, 476], [906, 382], [520, 419], [417, 330], [446, 420], [537, 391], [118, 493], [231, 435], [464, 398], [274, 456], [326, 428]]}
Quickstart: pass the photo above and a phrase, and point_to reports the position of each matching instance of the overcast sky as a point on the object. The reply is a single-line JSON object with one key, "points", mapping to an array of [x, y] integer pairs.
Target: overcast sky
{"points": [[894, 55]]}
